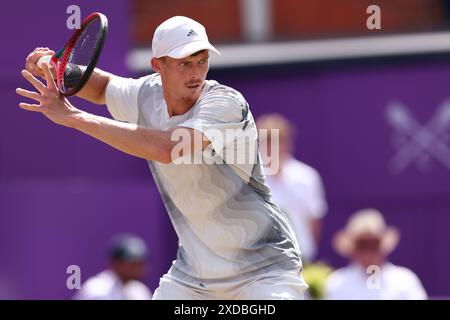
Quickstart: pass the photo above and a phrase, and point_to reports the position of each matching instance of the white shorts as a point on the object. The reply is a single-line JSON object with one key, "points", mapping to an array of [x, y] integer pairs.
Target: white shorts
{"points": [[274, 285]]}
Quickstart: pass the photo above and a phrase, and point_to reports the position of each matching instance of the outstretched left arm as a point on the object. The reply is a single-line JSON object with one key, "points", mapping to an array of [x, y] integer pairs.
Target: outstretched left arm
{"points": [[136, 140]]}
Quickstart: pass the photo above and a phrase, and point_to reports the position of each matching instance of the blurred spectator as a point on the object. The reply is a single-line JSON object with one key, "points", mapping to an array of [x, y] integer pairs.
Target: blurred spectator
{"points": [[366, 242], [121, 281], [297, 187]]}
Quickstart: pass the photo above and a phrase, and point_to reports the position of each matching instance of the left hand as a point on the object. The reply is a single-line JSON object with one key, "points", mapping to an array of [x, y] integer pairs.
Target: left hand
{"points": [[51, 103]]}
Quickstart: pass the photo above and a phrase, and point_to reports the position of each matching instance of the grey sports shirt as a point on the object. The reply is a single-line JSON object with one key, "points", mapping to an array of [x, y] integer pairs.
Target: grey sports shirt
{"points": [[219, 204]]}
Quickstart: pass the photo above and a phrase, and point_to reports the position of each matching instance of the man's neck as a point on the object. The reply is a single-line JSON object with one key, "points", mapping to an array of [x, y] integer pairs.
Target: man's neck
{"points": [[176, 109]]}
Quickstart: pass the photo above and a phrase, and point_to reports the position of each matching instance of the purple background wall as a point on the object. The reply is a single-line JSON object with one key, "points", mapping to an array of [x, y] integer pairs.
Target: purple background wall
{"points": [[63, 195]]}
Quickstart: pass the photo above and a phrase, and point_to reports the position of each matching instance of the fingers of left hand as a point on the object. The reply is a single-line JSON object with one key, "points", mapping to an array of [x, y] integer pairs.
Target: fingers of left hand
{"points": [[29, 94], [35, 82], [30, 107]]}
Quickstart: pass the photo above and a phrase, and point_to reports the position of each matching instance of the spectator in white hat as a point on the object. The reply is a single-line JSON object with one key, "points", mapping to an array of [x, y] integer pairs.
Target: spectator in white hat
{"points": [[367, 242]]}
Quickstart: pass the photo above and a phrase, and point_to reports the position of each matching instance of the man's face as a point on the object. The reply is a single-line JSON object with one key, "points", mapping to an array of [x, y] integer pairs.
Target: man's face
{"points": [[367, 250], [185, 77], [130, 270]]}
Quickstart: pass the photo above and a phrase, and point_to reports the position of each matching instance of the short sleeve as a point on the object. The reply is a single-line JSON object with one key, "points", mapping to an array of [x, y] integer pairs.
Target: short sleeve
{"points": [[307, 183], [122, 98], [317, 202], [223, 117]]}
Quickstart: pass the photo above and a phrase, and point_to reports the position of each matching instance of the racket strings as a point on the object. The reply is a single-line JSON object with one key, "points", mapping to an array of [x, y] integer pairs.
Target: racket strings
{"points": [[81, 55]]}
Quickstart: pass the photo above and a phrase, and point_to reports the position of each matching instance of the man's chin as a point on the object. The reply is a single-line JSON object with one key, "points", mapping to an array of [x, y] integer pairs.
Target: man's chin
{"points": [[192, 95], [191, 98]]}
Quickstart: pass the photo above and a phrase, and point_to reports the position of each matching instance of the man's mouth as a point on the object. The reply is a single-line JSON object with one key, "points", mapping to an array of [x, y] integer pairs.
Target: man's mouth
{"points": [[193, 85]]}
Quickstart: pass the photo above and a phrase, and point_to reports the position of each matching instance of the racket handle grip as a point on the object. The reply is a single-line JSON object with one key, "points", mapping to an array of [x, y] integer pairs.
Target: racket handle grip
{"points": [[44, 59]]}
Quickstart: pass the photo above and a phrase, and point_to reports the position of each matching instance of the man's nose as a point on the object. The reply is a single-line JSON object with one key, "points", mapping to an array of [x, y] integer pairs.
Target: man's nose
{"points": [[195, 72]]}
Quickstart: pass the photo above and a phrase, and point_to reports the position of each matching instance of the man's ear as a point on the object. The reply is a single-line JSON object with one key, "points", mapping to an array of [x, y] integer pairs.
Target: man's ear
{"points": [[156, 64]]}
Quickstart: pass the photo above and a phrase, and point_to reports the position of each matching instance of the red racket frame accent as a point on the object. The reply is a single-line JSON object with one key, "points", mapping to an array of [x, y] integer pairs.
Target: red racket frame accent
{"points": [[60, 63]]}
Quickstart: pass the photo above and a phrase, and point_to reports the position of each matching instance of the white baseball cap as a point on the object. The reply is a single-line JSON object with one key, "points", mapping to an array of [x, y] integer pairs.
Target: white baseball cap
{"points": [[179, 37]]}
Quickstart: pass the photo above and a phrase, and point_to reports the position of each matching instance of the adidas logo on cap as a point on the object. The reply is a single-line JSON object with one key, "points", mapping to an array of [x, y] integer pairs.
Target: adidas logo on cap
{"points": [[192, 33]]}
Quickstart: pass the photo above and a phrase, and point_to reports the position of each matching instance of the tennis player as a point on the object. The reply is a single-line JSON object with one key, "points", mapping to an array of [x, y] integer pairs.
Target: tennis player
{"points": [[234, 242]]}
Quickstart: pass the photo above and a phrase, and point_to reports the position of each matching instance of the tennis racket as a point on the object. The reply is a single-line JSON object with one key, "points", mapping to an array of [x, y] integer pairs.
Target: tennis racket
{"points": [[75, 62]]}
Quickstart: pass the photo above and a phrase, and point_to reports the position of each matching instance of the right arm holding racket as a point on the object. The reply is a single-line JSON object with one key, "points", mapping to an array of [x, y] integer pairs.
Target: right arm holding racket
{"points": [[70, 71]]}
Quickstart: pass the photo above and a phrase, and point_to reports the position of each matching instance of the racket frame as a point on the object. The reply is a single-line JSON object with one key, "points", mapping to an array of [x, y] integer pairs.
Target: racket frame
{"points": [[60, 59]]}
